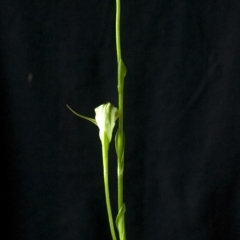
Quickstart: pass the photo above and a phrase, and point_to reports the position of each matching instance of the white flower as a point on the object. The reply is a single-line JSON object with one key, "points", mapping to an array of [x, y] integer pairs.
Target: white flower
{"points": [[106, 115]]}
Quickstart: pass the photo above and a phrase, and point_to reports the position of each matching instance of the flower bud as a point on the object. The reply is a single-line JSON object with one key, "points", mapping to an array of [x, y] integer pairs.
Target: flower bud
{"points": [[106, 115]]}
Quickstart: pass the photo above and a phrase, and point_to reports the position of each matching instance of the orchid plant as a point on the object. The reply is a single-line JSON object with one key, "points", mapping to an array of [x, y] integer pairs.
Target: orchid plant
{"points": [[105, 117]]}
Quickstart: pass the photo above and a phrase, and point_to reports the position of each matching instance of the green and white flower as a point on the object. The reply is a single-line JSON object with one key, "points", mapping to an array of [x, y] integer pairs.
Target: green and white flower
{"points": [[106, 115], [105, 118]]}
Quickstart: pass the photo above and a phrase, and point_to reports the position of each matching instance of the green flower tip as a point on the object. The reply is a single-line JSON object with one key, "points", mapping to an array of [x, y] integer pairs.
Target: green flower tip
{"points": [[106, 115]]}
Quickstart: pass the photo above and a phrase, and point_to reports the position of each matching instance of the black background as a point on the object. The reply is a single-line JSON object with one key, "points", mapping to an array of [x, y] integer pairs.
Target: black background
{"points": [[182, 118]]}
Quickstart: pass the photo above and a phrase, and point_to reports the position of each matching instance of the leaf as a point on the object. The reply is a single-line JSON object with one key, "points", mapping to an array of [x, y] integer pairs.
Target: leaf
{"points": [[120, 155], [122, 68], [122, 71]]}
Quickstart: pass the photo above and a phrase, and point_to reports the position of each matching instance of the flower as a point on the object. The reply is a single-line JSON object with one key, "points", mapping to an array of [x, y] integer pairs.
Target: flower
{"points": [[105, 118], [106, 115]]}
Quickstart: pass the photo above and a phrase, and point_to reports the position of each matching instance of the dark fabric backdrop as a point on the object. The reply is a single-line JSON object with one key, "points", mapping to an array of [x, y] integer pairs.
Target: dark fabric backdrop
{"points": [[182, 118]]}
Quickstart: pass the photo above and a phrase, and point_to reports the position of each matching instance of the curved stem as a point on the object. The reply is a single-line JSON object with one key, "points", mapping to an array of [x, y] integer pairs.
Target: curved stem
{"points": [[106, 186]]}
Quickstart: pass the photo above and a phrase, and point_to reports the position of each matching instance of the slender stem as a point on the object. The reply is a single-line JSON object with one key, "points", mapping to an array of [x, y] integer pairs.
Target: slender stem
{"points": [[118, 43], [120, 107], [105, 147], [120, 151], [120, 133], [120, 190]]}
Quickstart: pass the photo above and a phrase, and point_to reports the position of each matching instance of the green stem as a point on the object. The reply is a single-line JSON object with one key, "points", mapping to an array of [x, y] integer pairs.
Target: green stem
{"points": [[120, 109], [120, 151], [105, 147], [120, 189], [120, 133], [118, 43]]}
